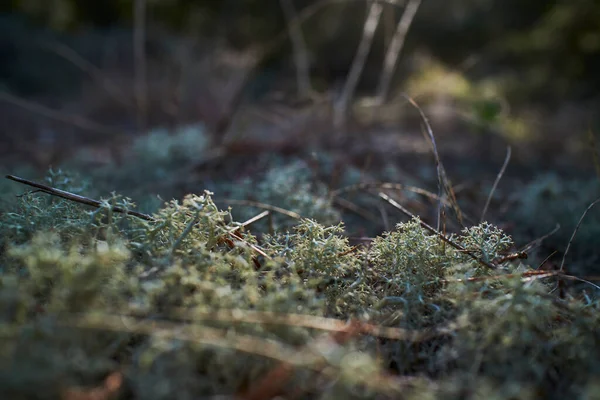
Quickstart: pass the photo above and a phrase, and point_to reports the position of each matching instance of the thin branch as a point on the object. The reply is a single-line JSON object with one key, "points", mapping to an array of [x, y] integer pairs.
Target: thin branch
{"points": [[498, 177], [371, 23], [395, 48], [75, 197], [434, 231], [300, 51], [562, 264]]}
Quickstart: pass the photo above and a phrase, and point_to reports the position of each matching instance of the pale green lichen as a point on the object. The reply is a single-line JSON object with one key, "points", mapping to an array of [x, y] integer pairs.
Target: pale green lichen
{"points": [[192, 304]]}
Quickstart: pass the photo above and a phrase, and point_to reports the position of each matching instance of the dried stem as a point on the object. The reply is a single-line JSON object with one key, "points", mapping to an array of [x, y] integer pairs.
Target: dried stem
{"points": [[75, 197], [395, 48], [498, 177], [538, 241], [264, 206], [562, 264], [443, 184], [371, 23]]}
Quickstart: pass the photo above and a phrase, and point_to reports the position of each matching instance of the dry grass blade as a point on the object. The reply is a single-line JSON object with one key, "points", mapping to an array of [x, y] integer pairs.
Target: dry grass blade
{"points": [[391, 186], [251, 221], [304, 321], [384, 185], [576, 278], [562, 264], [434, 231], [443, 184], [264, 206], [533, 244], [202, 334], [274, 381], [545, 260], [495, 185], [311, 356]]}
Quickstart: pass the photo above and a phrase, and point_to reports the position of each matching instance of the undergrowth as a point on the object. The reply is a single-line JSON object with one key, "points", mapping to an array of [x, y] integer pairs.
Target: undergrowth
{"points": [[191, 304]]}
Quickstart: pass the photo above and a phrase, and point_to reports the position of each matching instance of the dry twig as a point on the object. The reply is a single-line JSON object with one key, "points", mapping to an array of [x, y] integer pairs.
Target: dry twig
{"points": [[394, 49], [75, 197], [371, 23]]}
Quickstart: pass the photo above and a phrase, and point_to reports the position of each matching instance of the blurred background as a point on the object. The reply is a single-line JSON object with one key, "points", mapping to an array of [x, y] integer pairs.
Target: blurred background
{"points": [[74, 72], [224, 90]]}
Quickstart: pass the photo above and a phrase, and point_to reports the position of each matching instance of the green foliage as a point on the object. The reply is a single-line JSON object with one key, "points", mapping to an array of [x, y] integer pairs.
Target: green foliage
{"points": [[190, 304], [324, 261]]}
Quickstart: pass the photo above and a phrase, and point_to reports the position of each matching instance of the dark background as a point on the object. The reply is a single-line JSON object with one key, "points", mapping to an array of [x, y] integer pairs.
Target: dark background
{"points": [[540, 59]]}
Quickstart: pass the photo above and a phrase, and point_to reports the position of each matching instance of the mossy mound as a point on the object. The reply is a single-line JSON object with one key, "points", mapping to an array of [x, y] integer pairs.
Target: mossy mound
{"points": [[191, 304]]}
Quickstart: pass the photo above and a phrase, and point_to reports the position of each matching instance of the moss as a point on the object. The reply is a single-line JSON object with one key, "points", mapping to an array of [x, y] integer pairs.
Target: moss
{"points": [[192, 304]]}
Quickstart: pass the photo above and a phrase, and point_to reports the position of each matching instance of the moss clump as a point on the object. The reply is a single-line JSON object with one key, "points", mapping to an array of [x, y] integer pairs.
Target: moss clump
{"points": [[289, 186], [190, 304]]}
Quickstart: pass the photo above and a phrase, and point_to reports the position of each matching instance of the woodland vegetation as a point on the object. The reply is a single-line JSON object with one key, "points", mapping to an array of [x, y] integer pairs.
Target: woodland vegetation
{"points": [[259, 199]]}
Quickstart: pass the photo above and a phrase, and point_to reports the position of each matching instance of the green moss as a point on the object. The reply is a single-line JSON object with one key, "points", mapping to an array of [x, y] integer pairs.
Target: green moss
{"points": [[185, 307]]}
